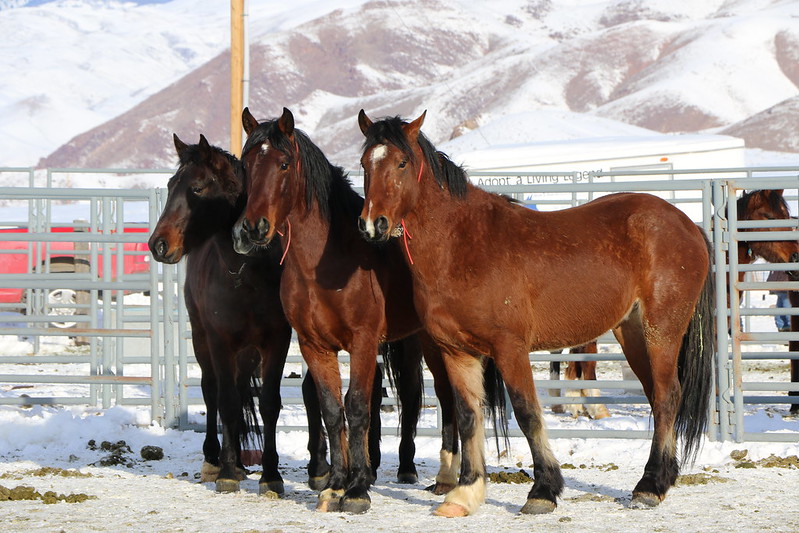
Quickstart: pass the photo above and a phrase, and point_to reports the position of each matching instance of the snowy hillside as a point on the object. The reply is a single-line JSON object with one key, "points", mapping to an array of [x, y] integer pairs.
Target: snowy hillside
{"points": [[83, 88]]}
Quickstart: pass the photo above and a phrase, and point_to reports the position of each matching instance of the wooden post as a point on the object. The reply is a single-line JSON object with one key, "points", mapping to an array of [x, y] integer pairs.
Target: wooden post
{"points": [[236, 73]]}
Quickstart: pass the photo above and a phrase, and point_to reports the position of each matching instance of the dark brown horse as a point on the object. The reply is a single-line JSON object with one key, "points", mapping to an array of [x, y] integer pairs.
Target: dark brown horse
{"points": [[492, 278], [771, 205], [235, 312], [338, 292]]}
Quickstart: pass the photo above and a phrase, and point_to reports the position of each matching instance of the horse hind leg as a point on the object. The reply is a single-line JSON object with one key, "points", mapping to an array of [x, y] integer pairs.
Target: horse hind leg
{"points": [[318, 467], [450, 463], [656, 367], [272, 363]]}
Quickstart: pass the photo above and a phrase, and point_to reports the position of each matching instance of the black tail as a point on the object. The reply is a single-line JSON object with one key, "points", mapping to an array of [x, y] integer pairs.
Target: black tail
{"points": [[250, 437], [496, 406], [395, 357], [695, 368]]}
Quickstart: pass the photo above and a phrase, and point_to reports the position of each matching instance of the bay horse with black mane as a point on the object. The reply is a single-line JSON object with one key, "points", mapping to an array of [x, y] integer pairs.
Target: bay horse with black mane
{"points": [[492, 278], [771, 205], [236, 317], [338, 292]]}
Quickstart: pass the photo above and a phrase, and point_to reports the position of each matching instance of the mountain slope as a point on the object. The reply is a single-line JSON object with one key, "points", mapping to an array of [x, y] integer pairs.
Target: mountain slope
{"points": [[666, 66]]}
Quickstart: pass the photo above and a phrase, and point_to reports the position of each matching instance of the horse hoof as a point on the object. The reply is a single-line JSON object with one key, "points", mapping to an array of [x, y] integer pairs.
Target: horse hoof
{"points": [[319, 483], [227, 485], [355, 505], [440, 489], [408, 478], [209, 472], [644, 500], [329, 501], [538, 506], [271, 489], [451, 510]]}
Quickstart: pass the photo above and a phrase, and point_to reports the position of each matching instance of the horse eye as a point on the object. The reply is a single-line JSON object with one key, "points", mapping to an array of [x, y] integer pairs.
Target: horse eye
{"points": [[197, 190], [403, 163], [284, 166], [769, 216]]}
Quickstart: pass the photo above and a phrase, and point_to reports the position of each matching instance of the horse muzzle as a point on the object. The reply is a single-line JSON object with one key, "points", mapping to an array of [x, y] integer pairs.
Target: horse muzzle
{"points": [[378, 230], [162, 253]]}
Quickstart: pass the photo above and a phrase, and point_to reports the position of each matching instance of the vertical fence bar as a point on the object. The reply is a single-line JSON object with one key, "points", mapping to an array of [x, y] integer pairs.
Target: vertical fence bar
{"points": [[735, 313], [156, 403], [721, 250], [182, 342]]}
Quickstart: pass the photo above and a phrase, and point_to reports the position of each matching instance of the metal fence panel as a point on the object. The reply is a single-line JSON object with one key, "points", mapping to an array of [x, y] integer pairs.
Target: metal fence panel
{"points": [[137, 351]]}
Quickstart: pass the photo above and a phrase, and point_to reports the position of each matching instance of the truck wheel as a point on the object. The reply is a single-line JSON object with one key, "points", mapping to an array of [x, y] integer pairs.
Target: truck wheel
{"points": [[62, 303]]}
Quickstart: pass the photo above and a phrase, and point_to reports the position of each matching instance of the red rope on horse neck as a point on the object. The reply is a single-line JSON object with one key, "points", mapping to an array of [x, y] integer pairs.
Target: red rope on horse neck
{"points": [[288, 243]]}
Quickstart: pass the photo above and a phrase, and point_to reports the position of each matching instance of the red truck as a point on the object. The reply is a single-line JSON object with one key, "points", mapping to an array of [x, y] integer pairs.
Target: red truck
{"points": [[23, 256]]}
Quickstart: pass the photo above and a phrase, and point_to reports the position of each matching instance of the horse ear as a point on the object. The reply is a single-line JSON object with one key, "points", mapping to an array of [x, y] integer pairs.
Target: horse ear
{"points": [[778, 192], [286, 123], [248, 121], [180, 146], [204, 145], [412, 129], [364, 122]]}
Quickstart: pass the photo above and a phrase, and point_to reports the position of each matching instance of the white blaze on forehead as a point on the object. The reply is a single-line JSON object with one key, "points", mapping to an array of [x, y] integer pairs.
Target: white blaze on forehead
{"points": [[264, 147], [378, 153]]}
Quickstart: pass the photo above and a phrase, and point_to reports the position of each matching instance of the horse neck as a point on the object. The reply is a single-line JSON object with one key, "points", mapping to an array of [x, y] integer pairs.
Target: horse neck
{"points": [[436, 210]]}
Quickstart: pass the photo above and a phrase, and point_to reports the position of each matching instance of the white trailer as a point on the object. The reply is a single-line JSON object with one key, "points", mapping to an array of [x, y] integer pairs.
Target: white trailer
{"points": [[587, 156]]}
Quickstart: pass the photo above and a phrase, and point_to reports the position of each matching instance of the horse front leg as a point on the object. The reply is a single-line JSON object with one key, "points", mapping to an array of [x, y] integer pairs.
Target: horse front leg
{"points": [[323, 366], [514, 365], [230, 413], [363, 365], [466, 376]]}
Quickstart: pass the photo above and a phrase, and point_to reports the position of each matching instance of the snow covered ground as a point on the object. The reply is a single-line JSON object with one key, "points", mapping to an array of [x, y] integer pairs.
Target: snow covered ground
{"points": [[48, 449]]}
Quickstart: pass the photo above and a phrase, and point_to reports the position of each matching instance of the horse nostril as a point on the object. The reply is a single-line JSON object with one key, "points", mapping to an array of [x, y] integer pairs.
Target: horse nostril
{"points": [[160, 247], [795, 257], [381, 225], [262, 227], [361, 225]]}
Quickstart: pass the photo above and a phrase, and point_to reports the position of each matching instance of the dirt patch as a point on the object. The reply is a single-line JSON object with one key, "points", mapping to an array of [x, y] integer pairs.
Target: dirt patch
{"points": [[588, 497], [24, 492], [45, 471], [701, 478], [510, 477]]}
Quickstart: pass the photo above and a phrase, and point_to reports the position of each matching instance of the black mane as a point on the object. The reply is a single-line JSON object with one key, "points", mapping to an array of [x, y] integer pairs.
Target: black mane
{"points": [[325, 183], [448, 174], [776, 203]]}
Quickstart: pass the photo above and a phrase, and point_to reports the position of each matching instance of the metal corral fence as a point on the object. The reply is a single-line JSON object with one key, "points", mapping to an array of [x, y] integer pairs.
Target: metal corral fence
{"points": [[87, 315]]}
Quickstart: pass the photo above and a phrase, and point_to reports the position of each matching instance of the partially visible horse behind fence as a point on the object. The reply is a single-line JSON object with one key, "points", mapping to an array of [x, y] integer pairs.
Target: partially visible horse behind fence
{"points": [[770, 204]]}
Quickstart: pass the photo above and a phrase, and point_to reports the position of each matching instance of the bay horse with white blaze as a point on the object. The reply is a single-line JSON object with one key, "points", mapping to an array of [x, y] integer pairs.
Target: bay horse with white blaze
{"points": [[338, 292], [236, 317], [493, 278]]}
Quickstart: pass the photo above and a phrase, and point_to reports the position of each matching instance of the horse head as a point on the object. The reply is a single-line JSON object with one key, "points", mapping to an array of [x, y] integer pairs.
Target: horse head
{"points": [[393, 163], [768, 205], [273, 167], [201, 195]]}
